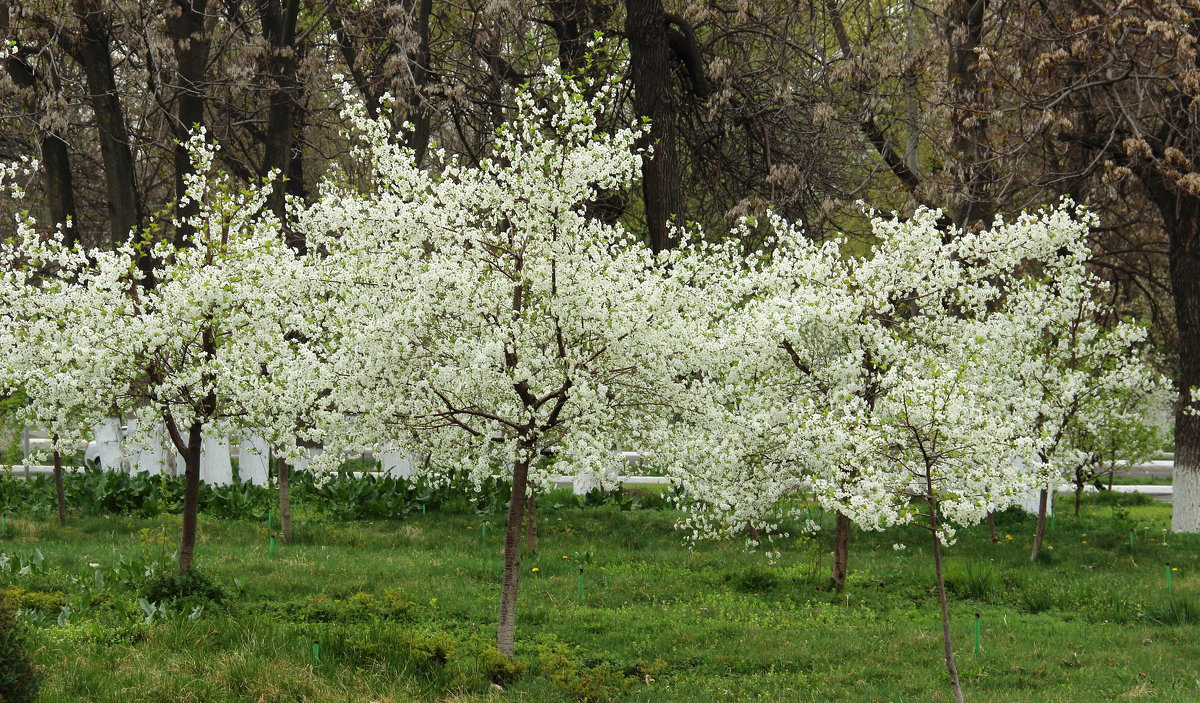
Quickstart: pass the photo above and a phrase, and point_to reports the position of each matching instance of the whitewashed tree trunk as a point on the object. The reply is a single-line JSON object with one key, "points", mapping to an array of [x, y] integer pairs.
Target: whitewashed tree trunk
{"points": [[1031, 501], [254, 460], [148, 447], [108, 444], [302, 463], [215, 466], [1185, 513], [397, 463]]}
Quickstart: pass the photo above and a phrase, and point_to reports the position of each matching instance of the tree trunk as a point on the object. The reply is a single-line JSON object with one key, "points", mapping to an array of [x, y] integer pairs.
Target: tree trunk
{"points": [[531, 527], [512, 559], [951, 669], [650, 67], [191, 491], [190, 43], [968, 116], [1078, 489], [92, 52], [418, 115], [279, 30], [841, 551], [60, 494], [1040, 533], [1185, 286], [56, 162], [285, 500], [991, 523]]}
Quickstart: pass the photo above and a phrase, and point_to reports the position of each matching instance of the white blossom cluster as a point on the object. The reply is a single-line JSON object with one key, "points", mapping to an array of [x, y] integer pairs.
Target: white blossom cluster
{"points": [[949, 370], [86, 337]]}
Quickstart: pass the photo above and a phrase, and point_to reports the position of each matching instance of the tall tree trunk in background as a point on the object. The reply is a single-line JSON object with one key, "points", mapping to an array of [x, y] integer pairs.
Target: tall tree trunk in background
{"points": [[968, 114], [190, 43], [279, 30], [1183, 227], [56, 162], [841, 552], [418, 115], [506, 631], [991, 523], [285, 499], [91, 49], [650, 66]]}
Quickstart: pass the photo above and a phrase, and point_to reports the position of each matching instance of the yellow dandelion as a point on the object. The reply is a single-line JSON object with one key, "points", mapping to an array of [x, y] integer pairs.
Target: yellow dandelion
{"points": [[1174, 568], [534, 569], [1083, 541], [566, 557], [1008, 537]]}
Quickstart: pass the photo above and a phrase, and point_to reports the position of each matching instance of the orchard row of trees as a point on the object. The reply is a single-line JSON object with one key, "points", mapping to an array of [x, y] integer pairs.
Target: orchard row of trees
{"points": [[481, 312], [975, 107]]}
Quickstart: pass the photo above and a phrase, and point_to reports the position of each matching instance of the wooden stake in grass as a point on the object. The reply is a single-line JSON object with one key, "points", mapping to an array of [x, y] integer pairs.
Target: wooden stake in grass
{"points": [[581, 585], [285, 500]]}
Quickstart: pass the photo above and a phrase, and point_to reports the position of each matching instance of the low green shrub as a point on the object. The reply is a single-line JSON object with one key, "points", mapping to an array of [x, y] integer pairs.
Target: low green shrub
{"points": [[20, 679], [172, 587]]}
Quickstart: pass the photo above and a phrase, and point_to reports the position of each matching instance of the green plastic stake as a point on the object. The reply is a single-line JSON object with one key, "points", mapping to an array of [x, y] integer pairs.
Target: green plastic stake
{"points": [[316, 653], [422, 508], [1131, 541], [581, 585], [1168, 569], [976, 634], [271, 547]]}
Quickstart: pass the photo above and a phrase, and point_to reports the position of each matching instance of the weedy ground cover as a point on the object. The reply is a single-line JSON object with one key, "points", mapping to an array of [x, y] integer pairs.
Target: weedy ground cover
{"points": [[402, 611]]}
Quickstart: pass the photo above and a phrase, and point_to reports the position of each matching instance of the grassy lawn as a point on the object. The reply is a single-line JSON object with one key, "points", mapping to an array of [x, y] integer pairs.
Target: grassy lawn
{"points": [[405, 611]]}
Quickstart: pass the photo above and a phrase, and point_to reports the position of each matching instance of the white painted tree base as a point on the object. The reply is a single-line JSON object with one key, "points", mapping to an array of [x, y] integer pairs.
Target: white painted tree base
{"points": [[215, 467], [1031, 502], [254, 460], [108, 444], [398, 463], [151, 451], [1185, 513]]}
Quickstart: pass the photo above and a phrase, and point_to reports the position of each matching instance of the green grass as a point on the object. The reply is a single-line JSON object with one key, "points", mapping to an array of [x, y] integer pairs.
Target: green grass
{"points": [[405, 611]]}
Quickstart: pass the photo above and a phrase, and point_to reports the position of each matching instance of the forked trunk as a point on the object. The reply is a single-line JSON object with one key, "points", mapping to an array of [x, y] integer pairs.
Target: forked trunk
{"points": [[941, 586], [531, 527], [285, 500], [191, 498], [60, 495], [512, 560], [991, 522], [841, 551], [1040, 533]]}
